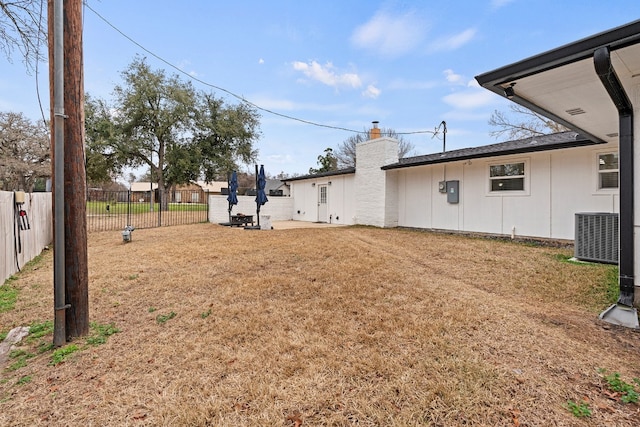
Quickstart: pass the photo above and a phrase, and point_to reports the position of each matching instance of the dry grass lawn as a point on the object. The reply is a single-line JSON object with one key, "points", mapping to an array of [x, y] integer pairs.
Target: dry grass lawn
{"points": [[324, 327]]}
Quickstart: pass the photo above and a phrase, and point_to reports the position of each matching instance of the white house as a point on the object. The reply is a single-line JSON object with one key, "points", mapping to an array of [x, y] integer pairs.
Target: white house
{"points": [[531, 187]]}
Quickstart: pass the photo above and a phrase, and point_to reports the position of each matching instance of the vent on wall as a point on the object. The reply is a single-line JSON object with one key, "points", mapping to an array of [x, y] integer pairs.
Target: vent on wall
{"points": [[597, 237]]}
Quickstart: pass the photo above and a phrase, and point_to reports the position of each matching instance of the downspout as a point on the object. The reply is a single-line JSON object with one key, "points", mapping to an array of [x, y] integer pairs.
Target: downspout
{"points": [[608, 77]]}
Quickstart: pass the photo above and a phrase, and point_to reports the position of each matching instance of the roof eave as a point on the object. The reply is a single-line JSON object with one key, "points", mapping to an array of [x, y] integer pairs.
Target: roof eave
{"points": [[321, 175], [515, 151]]}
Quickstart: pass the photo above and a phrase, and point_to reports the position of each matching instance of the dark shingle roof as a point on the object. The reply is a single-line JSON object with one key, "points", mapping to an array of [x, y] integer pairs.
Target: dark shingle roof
{"points": [[553, 141], [346, 171]]}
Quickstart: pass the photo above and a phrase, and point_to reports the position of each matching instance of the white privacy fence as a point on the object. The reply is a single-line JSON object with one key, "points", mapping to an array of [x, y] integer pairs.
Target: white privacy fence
{"points": [[23, 237], [278, 208]]}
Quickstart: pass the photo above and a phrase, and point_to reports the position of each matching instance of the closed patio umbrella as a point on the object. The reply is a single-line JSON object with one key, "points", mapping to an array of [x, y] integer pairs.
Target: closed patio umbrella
{"points": [[232, 198], [261, 196]]}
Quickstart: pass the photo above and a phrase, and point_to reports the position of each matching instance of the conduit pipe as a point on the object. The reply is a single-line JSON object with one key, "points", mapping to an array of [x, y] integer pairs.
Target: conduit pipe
{"points": [[59, 333]]}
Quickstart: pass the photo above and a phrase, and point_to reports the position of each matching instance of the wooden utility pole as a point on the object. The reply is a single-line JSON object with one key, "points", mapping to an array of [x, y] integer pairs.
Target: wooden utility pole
{"points": [[76, 276]]}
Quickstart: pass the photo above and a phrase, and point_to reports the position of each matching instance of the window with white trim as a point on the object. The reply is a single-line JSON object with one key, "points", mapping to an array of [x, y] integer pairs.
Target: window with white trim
{"points": [[507, 177], [607, 171]]}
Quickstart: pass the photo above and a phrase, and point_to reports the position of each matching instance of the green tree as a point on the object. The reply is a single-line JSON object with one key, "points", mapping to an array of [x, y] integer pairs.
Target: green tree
{"points": [[346, 152], [154, 113], [164, 123], [102, 161], [223, 137], [327, 163]]}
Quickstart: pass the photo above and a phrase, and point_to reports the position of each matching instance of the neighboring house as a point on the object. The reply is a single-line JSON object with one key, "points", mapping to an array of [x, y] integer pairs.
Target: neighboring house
{"points": [[187, 193], [194, 192], [141, 191], [276, 187], [213, 187]]}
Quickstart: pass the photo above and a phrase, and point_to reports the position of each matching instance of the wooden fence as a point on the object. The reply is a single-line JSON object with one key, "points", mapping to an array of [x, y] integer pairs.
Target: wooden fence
{"points": [[23, 237]]}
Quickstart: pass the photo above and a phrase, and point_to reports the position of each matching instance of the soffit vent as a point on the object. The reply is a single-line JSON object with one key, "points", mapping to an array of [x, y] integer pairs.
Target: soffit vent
{"points": [[575, 111], [612, 135]]}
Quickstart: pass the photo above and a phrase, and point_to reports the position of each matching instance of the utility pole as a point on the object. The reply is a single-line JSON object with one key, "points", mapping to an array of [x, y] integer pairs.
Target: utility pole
{"points": [[76, 276]]}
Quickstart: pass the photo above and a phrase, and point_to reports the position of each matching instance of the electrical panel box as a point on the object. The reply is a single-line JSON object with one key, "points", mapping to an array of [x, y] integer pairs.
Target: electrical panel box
{"points": [[453, 188], [442, 186], [19, 195]]}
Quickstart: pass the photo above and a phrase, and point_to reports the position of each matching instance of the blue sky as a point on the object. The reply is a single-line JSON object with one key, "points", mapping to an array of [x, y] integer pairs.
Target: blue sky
{"points": [[408, 64]]}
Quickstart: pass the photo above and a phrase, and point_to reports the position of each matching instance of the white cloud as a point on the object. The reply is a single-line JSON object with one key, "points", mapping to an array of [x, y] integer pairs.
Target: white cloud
{"points": [[452, 77], [371, 92], [469, 99], [390, 35], [327, 75], [453, 42], [260, 61]]}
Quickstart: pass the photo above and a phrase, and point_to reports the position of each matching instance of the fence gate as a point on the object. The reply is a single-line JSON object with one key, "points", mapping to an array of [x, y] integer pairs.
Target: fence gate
{"points": [[114, 210]]}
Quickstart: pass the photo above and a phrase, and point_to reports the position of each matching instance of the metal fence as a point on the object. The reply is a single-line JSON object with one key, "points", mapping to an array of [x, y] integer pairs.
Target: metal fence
{"points": [[114, 210]]}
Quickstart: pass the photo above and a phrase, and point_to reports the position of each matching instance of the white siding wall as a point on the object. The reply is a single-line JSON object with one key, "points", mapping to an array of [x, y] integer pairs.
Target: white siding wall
{"points": [[340, 199], [560, 183]]}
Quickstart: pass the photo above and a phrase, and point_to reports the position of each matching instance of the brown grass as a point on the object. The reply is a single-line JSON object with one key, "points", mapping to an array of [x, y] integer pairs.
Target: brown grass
{"points": [[333, 326]]}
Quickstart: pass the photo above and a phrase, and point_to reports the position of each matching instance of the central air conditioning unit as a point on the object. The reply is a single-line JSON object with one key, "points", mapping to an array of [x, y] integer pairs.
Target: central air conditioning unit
{"points": [[597, 237]]}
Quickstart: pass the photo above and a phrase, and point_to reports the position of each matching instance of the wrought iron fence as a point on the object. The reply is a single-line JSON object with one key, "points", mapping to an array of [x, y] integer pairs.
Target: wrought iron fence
{"points": [[114, 210]]}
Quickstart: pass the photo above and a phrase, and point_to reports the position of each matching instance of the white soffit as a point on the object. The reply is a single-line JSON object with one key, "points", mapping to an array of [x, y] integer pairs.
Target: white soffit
{"points": [[574, 92]]}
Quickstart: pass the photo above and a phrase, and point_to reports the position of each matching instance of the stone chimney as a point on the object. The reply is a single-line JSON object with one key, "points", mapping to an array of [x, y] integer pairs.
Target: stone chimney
{"points": [[374, 133]]}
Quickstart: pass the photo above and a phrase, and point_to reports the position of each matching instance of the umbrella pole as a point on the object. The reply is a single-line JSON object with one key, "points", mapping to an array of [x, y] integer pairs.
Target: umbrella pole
{"points": [[228, 192], [257, 203]]}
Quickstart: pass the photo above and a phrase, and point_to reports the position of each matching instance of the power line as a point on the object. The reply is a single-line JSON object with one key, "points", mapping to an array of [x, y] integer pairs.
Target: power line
{"points": [[241, 98]]}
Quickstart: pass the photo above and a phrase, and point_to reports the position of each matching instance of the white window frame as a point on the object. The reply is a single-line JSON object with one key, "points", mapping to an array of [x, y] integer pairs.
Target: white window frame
{"points": [[598, 172], [526, 178]]}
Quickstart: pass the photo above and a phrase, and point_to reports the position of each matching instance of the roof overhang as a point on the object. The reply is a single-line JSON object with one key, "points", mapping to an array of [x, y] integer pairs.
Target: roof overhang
{"points": [[347, 171], [562, 83], [558, 141]]}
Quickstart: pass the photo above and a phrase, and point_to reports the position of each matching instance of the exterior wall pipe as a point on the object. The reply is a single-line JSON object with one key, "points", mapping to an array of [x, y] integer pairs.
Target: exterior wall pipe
{"points": [[59, 333], [611, 82]]}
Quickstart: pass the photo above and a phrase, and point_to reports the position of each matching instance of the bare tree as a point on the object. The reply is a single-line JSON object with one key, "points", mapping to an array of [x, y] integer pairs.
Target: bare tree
{"points": [[23, 27], [346, 152], [521, 123], [24, 152]]}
